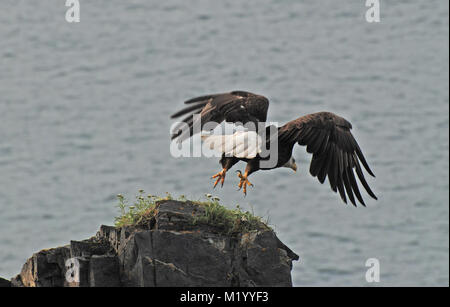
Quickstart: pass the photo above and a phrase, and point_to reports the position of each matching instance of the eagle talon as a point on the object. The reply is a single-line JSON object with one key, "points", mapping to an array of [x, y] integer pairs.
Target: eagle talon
{"points": [[244, 182], [220, 177]]}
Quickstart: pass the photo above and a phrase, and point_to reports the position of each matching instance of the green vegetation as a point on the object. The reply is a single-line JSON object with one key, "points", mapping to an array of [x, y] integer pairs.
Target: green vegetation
{"points": [[229, 221], [140, 212]]}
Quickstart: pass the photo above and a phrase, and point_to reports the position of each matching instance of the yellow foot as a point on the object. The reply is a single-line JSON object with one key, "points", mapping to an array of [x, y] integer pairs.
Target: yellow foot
{"points": [[244, 182], [220, 177]]}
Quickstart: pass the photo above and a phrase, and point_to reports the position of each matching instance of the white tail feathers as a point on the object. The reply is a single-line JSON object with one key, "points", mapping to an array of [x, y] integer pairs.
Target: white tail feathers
{"points": [[241, 144]]}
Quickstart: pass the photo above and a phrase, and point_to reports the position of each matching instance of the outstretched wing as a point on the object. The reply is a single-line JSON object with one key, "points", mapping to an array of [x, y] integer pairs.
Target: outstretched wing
{"points": [[236, 107], [335, 152]]}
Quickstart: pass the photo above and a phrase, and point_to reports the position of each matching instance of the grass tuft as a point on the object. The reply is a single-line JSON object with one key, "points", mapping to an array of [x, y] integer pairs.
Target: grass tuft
{"points": [[140, 211], [232, 221], [229, 221]]}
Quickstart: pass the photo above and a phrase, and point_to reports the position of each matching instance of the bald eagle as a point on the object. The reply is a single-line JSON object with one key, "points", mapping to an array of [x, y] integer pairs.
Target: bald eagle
{"points": [[327, 136]]}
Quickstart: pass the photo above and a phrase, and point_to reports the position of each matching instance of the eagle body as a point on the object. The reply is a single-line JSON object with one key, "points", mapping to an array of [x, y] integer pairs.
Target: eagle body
{"points": [[283, 156], [335, 153]]}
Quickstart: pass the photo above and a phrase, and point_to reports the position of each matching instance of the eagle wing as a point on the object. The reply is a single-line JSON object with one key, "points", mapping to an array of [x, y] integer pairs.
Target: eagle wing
{"points": [[235, 107], [335, 152]]}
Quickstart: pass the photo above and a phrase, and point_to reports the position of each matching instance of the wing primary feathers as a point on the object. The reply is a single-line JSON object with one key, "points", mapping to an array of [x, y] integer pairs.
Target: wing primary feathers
{"points": [[332, 181], [354, 184], [348, 188], [335, 165], [363, 159], [340, 161], [326, 166], [185, 121], [341, 190], [345, 160], [201, 98], [188, 109], [315, 166], [333, 169], [361, 178]]}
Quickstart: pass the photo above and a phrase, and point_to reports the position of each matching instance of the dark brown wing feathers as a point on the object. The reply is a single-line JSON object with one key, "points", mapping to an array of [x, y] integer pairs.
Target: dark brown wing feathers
{"points": [[335, 152], [184, 111], [237, 107]]}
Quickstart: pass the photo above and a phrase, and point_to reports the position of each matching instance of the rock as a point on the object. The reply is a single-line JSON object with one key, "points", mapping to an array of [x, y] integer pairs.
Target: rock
{"points": [[4, 283], [44, 269], [104, 271], [170, 250]]}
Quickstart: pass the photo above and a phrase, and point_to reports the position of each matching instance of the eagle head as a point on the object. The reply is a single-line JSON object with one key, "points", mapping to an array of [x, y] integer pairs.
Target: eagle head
{"points": [[291, 164]]}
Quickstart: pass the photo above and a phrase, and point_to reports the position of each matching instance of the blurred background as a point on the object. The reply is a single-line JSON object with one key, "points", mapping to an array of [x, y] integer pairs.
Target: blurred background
{"points": [[84, 115]]}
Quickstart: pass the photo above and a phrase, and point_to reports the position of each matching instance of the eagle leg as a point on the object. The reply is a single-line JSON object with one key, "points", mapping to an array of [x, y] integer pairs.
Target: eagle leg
{"points": [[220, 177], [244, 181]]}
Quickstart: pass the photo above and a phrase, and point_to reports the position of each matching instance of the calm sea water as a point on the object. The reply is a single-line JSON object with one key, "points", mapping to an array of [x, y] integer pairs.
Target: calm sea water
{"points": [[84, 115]]}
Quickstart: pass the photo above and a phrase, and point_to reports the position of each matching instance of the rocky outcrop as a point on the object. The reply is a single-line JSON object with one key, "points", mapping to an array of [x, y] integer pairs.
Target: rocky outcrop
{"points": [[4, 283], [170, 250]]}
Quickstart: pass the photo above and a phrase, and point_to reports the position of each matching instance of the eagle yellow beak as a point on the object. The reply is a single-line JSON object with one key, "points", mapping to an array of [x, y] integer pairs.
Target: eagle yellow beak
{"points": [[294, 167]]}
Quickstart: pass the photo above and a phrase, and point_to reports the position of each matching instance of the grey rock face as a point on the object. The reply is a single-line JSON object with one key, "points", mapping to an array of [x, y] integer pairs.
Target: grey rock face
{"points": [[170, 251], [4, 283]]}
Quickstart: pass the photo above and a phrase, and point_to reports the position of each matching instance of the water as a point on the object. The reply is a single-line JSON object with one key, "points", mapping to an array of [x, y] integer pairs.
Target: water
{"points": [[84, 115]]}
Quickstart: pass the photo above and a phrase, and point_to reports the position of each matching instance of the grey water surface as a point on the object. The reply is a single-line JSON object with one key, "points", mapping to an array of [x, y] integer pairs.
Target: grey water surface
{"points": [[84, 115]]}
